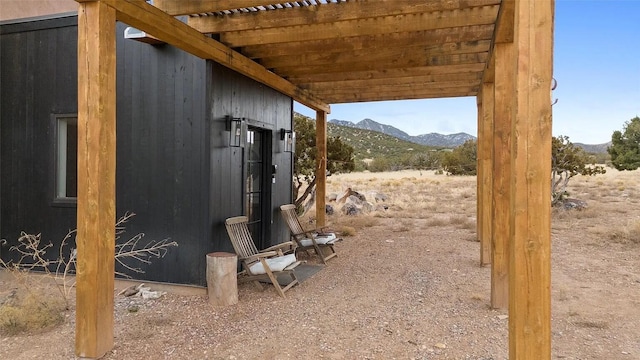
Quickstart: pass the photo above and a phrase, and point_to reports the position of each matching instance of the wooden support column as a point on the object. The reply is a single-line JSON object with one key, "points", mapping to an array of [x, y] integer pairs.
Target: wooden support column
{"points": [[485, 171], [504, 112], [321, 167], [530, 263], [96, 178]]}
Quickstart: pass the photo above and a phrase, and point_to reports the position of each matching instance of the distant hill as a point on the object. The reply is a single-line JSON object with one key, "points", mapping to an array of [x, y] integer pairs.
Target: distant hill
{"points": [[369, 144], [431, 139], [594, 149]]}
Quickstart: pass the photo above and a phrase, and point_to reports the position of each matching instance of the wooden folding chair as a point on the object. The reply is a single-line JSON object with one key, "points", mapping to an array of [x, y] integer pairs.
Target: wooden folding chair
{"points": [[263, 265], [317, 240]]}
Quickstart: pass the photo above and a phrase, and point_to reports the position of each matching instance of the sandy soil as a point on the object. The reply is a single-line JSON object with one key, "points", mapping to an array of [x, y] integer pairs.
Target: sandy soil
{"points": [[407, 285]]}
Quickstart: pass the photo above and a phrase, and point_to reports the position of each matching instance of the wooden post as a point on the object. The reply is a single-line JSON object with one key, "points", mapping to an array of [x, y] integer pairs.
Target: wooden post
{"points": [[96, 178], [530, 265], [222, 278], [504, 113], [485, 171], [321, 167]]}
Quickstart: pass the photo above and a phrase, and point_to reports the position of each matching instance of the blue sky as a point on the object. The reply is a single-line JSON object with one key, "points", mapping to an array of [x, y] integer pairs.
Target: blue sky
{"points": [[596, 64]]}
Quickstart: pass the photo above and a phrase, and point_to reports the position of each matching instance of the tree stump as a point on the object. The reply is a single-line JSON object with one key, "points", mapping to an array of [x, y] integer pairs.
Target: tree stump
{"points": [[222, 279]]}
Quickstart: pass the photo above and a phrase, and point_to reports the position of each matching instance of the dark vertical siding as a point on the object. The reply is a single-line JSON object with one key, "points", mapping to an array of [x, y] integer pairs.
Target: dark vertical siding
{"points": [[238, 96], [37, 79], [162, 154]]}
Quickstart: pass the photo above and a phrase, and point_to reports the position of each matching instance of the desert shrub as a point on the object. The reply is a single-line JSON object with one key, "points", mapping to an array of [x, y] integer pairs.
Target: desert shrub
{"points": [[30, 310], [347, 230], [380, 165], [567, 161], [462, 160]]}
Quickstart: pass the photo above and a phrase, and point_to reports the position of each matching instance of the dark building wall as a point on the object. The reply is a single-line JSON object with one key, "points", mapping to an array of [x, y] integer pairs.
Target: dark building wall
{"points": [[238, 96], [175, 168], [162, 152], [35, 82]]}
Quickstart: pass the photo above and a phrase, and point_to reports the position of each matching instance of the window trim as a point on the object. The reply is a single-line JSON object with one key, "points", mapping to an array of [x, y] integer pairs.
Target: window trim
{"points": [[60, 201]]}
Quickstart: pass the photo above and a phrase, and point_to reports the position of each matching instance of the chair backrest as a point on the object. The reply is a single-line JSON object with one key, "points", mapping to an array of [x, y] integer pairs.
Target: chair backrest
{"points": [[291, 218], [240, 236]]}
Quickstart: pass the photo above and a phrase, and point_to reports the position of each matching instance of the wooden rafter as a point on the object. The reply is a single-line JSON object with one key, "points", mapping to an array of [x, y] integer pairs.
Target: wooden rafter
{"points": [[390, 40], [397, 63], [187, 7], [387, 74], [383, 25], [417, 52], [330, 13], [421, 80]]}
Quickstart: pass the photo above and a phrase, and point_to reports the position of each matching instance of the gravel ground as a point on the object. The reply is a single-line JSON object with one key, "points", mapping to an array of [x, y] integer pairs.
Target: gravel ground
{"points": [[407, 285]]}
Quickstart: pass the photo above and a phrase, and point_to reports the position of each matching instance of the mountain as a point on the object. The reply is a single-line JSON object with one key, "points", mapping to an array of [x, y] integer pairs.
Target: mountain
{"points": [[431, 139], [594, 149], [451, 140]]}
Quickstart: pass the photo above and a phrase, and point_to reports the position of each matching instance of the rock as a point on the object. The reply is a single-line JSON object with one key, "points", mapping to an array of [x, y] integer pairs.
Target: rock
{"points": [[358, 195], [440, 346], [379, 197], [328, 209], [503, 317], [130, 291], [350, 209], [332, 197], [570, 203], [352, 199]]}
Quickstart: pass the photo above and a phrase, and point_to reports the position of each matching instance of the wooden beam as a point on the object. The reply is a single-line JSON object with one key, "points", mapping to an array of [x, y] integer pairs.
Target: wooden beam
{"points": [[327, 13], [409, 95], [455, 59], [505, 21], [530, 261], [392, 40], [393, 89], [503, 33], [485, 172], [386, 74], [382, 25], [379, 53], [153, 21], [96, 179], [187, 7], [501, 227], [321, 167], [471, 78]]}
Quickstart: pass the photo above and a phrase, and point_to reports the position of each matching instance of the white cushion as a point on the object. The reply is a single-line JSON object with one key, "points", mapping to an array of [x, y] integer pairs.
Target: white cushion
{"points": [[325, 239], [275, 264]]}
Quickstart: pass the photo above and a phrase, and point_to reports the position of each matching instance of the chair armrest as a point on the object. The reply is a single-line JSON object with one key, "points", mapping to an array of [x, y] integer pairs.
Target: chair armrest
{"points": [[289, 245], [260, 255]]}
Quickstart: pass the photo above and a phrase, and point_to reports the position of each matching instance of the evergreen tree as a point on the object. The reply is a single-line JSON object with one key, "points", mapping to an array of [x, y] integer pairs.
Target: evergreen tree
{"points": [[625, 146], [339, 158]]}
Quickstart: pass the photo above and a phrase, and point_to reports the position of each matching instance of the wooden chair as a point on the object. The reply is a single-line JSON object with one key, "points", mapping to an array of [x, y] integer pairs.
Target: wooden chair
{"points": [[263, 265], [317, 240]]}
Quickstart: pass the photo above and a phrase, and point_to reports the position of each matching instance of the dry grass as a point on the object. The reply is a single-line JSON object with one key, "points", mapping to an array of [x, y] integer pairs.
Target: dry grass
{"points": [[28, 310], [447, 200]]}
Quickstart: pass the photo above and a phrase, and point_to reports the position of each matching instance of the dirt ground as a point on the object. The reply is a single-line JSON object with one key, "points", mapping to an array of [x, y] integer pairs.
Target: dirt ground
{"points": [[406, 285]]}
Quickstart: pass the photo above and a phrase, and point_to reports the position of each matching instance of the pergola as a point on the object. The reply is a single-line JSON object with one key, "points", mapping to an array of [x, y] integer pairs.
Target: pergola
{"points": [[322, 52]]}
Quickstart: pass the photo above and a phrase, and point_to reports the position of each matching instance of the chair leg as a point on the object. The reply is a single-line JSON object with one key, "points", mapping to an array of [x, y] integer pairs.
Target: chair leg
{"points": [[258, 285], [275, 283], [332, 253], [320, 253]]}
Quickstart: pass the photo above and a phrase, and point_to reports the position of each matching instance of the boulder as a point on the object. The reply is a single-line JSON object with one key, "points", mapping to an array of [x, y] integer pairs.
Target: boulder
{"points": [[576, 204], [350, 209], [328, 209]]}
